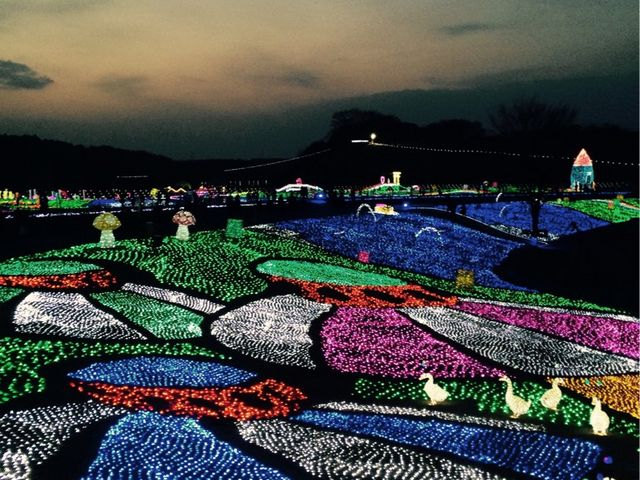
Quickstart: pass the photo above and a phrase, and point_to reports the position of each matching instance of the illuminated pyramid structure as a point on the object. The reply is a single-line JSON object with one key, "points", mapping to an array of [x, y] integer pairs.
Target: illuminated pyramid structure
{"points": [[582, 177]]}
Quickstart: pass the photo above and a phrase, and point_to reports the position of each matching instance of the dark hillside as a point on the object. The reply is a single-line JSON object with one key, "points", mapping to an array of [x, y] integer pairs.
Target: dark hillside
{"points": [[599, 265]]}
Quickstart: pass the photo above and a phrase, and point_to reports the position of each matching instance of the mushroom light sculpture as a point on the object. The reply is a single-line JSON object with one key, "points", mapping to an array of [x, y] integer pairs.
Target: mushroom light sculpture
{"points": [[184, 220], [106, 223]]}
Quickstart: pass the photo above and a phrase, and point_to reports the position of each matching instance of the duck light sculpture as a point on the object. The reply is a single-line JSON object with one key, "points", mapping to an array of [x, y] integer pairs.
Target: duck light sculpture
{"points": [[517, 405], [551, 397], [435, 393], [599, 420]]}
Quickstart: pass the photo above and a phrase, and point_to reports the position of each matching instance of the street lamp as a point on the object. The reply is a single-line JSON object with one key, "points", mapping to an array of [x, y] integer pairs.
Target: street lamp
{"points": [[372, 137]]}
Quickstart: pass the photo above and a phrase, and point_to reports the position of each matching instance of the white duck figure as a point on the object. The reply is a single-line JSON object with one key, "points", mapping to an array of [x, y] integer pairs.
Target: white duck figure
{"points": [[599, 420], [435, 393], [519, 406], [551, 397]]}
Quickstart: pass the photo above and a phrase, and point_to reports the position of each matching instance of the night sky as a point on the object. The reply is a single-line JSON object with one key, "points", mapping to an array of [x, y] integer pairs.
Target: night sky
{"points": [[231, 79]]}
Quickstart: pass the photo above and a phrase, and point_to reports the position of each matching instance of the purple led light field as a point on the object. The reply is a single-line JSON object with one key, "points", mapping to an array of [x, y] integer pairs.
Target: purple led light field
{"points": [[383, 342], [610, 334]]}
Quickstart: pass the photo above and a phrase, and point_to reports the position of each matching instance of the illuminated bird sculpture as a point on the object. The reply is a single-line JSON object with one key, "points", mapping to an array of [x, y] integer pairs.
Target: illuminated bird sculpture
{"points": [[599, 420], [435, 393], [551, 397], [519, 406]]}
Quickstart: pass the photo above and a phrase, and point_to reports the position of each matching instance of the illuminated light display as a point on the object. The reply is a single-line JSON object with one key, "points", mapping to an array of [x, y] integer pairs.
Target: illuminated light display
{"points": [[324, 273], [383, 342], [184, 220], [620, 392], [40, 432], [551, 398], [161, 319], [163, 372], [19, 266], [384, 209], [464, 279], [598, 419], [7, 294], [582, 176], [273, 231], [488, 397], [148, 445], [519, 348], [600, 210], [369, 296], [22, 360], [273, 329], [172, 296], [264, 399], [15, 466], [556, 219], [534, 453], [616, 335], [517, 405], [435, 393], [107, 223], [392, 241], [214, 271], [69, 281], [69, 315], [221, 269], [234, 228], [568, 307], [424, 412], [329, 454], [298, 187]]}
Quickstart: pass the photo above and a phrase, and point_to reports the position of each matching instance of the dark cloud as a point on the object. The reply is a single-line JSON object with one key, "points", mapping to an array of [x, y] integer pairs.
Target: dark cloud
{"points": [[124, 86], [300, 79], [465, 28], [18, 76], [522, 75], [290, 78]]}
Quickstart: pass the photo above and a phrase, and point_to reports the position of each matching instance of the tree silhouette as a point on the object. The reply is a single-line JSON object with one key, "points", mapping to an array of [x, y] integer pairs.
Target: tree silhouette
{"points": [[529, 115], [359, 124]]}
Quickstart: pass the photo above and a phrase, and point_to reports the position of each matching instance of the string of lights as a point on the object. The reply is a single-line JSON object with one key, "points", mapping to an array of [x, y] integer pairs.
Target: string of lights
{"points": [[273, 329], [532, 453], [278, 161], [494, 152], [333, 455], [520, 348]]}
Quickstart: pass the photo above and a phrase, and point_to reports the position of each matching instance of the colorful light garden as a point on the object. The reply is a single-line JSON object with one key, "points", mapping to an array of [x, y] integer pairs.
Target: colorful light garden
{"points": [[284, 352]]}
